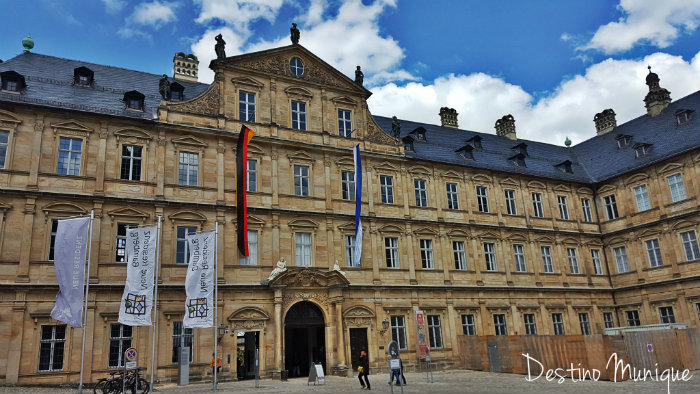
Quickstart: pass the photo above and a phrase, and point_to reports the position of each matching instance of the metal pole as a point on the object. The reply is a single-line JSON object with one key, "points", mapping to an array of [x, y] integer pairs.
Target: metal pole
{"points": [[85, 306], [257, 368], [155, 304], [216, 299]]}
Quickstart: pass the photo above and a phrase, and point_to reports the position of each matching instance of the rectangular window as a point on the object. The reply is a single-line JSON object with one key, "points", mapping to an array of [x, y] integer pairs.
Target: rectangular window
{"points": [[51, 345], [298, 115], [182, 255], [426, 254], [558, 323], [537, 205], [303, 249], [252, 176], [547, 259], [348, 185], [690, 245], [350, 251], [482, 199], [181, 339], [499, 324], [421, 193], [519, 256], [610, 207], [666, 314], [654, 253], [468, 326], [633, 318], [435, 331], [52, 238], [189, 168], [597, 263], [584, 323], [460, 256], [510, 202], [120, 255], [621, 260], [642, 198], [573, 260], [131, 162], [608, 320], [530, 324], [398, 331], [387, 186], [119, 341], [252, 258], [246, 106], [452, 200], [344, 123], [69, 152], [4, 140], [675, 184], [391, 249], [563, 208], [301, 180], [490, 255], [586, 205]]}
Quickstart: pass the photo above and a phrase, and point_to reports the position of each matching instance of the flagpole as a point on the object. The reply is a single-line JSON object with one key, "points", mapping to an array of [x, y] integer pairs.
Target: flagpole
{"points": [[216, 299], [85, 307], [155, 303]]}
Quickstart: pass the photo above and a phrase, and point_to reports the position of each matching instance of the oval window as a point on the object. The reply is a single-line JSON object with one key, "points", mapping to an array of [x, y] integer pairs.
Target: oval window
{"points": [[296, 66]]}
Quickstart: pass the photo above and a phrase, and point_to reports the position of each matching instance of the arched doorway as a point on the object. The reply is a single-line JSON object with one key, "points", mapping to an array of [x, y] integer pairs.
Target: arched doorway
{"points": [[304, 338]]}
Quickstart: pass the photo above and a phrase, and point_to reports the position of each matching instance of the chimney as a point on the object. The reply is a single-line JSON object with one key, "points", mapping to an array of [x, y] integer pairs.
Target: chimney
{"points": [[658, 98], [185, 67], [505, 127], [448, 117], [605, 121]]}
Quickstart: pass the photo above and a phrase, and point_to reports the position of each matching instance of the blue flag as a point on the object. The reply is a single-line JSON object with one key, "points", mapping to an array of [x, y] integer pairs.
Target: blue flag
{"points": [[358, 205]]}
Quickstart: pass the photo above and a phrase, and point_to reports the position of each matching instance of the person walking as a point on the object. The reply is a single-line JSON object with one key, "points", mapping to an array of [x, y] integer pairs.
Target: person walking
{"points": [[363, 370]]}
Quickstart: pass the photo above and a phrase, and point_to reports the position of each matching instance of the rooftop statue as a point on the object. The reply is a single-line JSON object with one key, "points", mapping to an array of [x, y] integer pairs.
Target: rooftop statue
{"points": [[220, 47], [294, 33], [336, 267], [395, 127], [359, 76], [281, 268], [164, 87]]}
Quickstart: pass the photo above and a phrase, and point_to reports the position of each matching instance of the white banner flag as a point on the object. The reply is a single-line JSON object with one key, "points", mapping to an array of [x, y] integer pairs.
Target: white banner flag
{"points": [[137, 301], [199, 283], [69, 261]]}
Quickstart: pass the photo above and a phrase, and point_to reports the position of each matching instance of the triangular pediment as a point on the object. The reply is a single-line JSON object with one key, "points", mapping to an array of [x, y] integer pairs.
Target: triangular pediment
{"points": [[561, 188], [247, 83], [309, 277], [188, 216], [132, 133], [189, 141], [344, 101], [451, 174], [509, 181], [358, 311], [349, 227], [128, 212], [6, 116], [300, 156], [64, 208], [72, 126]]}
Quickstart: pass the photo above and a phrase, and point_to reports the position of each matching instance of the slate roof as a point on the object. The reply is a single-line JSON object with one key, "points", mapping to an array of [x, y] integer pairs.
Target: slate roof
{"points": [[49, 82]]}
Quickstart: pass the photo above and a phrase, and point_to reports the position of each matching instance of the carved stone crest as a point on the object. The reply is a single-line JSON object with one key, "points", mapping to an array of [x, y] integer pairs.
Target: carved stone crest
{"points": [[309, 277], [293, 297], [248, 318], [206, 104], [358, 316]]}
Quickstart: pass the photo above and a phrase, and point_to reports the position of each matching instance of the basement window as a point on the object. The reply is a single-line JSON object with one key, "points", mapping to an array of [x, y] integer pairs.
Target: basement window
{"points": [[12, 81], [134, 100]]}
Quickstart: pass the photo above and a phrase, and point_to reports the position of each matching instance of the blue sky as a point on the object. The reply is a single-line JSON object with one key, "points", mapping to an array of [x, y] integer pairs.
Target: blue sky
{"points": [[553, 64]]}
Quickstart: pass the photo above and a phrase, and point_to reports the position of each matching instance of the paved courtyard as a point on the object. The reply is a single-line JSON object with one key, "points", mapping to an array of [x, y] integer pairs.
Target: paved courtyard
{"points": [[444, 382]]}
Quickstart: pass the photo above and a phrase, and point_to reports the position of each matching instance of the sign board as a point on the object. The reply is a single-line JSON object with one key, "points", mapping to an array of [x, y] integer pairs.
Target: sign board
{"points": [[394, 364], [316, 374], [422, 334], [131, 357]]}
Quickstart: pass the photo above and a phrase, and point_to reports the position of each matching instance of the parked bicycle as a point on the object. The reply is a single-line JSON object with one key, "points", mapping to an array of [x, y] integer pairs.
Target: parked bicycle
{"points": [[116, 383]]}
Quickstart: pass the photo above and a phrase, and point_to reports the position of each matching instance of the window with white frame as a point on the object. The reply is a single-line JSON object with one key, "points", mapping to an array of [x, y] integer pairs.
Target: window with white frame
{"points": [[633, 318], [251, 176], [654, 253], [452, 200], [345, 123], [52, 238], [690, 245], [426, 254], [387, 189], [482, 199], [563, 208], [182, 254], [119, 341], [499, 324], [538, 211], [131, 162], [586, 205], [573, 260], [298, 115], [182, 337], [120, 254], [303, 249], [666, 314], [391, 251], [558, 323], [301, 180], [434, 331], [510, 202], [584, 323], [347, 182], [350, 251], [246, 106], [642, 198], [421, 192], [189, 168], [51, 347], [597, 263], [398, 331], [252, 258], [610, 207], [547, 259], [621, 259], [468, 326], [4, 140], [69, 153], [530, 324], [490, 256], [675, 185], [608, 320], [519, 256], [459, 254]]}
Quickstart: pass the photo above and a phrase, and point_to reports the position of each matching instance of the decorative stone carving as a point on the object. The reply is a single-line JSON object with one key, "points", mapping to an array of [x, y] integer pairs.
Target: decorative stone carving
{"points": [[292, 298], [336, 267], [375, 134], [248, 319], [358, 316], [279, 65], [281, 268], [206, 104]]}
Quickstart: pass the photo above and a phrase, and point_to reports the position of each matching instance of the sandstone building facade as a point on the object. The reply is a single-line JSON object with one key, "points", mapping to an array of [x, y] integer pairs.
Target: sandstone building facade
{"points": [[487, 234]]}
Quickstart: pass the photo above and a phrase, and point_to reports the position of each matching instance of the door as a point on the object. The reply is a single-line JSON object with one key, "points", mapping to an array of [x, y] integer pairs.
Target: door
{"points": [[247, 344], [494, 359], [358, 343]]}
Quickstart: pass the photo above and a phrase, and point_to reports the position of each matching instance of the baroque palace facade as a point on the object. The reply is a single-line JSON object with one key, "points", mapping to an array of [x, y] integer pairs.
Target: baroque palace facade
{"points": [[487, 234]]}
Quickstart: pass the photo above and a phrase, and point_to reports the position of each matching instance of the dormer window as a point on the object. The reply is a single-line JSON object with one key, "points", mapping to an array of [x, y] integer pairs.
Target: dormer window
{"points": [[12, 81], [134, 100], [177, 92], [518, 160], [83, 76], [641, 150], [683, 116], [467, 152], [408, 143], [475, 142], [521, 148], [419, 133], [623, 140], [565, 166]]}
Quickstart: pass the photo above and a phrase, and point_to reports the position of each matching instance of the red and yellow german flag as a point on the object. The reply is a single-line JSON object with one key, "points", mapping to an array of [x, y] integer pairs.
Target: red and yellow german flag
{"points": [[241, 185]]}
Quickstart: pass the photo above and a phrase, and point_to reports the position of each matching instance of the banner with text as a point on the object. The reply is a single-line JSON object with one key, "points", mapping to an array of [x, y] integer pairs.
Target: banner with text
{"points": [[422, 335], [137, 301], [70, 247], [199, 283]]}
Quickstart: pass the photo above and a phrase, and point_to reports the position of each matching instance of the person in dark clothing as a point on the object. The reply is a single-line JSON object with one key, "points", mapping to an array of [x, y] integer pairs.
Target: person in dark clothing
{"points": [[364, 365], [402, 377]]}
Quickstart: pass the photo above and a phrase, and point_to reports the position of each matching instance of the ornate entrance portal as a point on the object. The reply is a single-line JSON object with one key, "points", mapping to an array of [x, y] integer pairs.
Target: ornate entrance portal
{"points": [[304, 338]]}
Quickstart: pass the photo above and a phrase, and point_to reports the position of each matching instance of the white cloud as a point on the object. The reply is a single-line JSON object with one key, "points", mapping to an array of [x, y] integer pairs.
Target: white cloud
{"points": [[237, 13], [114, 6], [658, 23], [315, 13], [154, 15]]}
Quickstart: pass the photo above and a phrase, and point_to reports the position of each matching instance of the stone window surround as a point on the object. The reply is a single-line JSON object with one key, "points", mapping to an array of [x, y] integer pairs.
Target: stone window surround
{"points": [[9, 123], [254, 224], [181, 219], [136, 137], [189, 144], [302, 226]]}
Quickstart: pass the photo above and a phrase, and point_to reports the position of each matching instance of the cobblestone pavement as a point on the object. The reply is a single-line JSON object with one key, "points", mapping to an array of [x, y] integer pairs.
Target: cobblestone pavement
{"points": [[444, 382]]}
